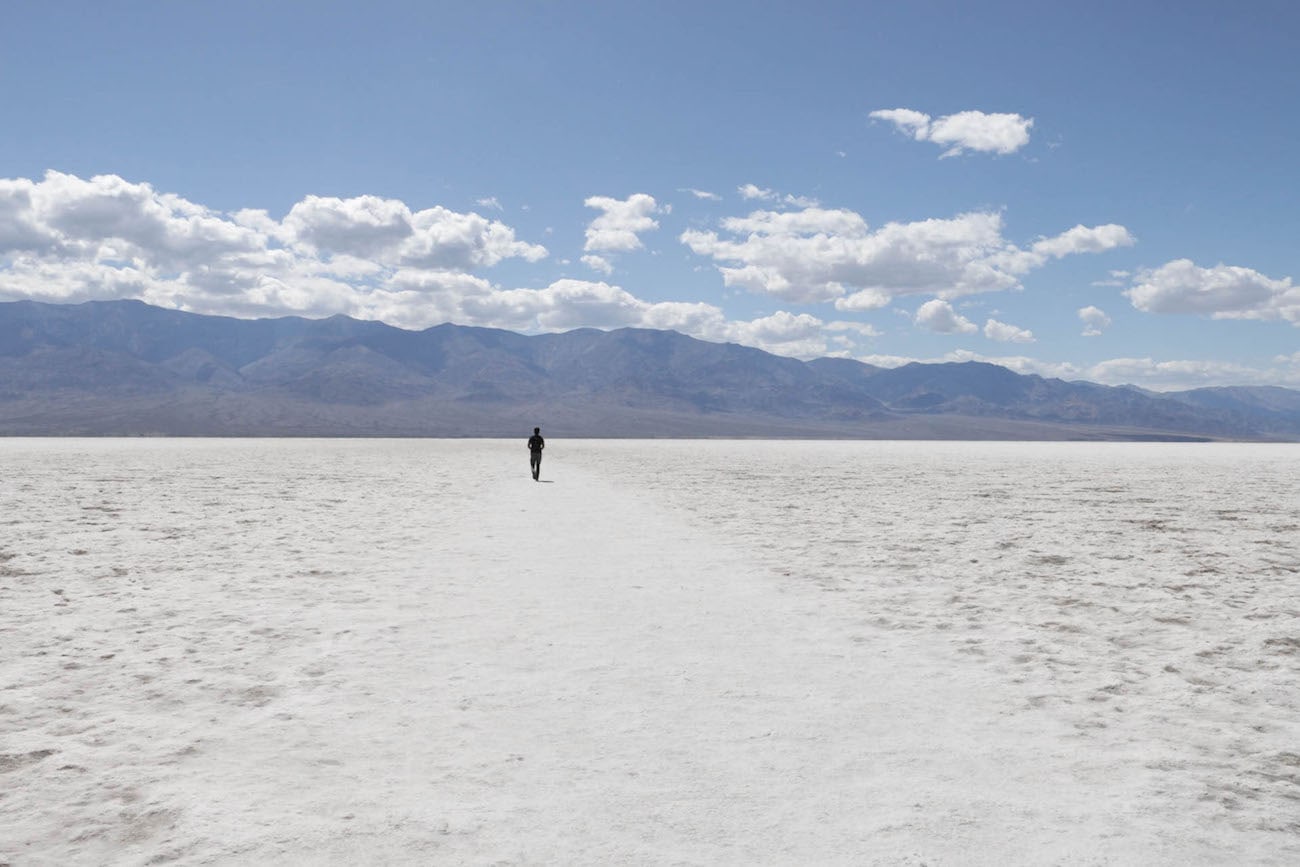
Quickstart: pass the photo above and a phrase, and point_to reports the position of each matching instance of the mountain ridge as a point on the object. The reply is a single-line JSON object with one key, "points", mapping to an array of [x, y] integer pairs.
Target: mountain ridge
{"points": [[129, 368]]}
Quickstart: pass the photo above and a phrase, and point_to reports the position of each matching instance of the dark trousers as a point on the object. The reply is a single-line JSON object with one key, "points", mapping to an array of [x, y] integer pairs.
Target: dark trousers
{"points": [[535, 460]]}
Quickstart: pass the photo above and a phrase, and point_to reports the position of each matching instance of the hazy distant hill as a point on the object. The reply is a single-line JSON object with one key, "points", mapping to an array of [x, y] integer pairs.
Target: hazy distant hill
{"points": [[127, 368]]}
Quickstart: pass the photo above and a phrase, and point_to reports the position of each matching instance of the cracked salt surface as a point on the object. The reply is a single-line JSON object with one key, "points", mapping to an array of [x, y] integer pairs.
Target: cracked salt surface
{"points": [[253, 651]]}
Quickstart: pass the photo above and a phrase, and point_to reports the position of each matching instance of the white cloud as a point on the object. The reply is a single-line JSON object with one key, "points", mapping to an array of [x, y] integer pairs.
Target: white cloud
{"points": [[821, 255], [362, 226], [810, 221], [1001, 331], [689, 317], [387, 231], [621, 222], [489, 202], [1084, 239], [65, 238], [569, 304], [1094, 320], [937, 315], [21, 228], [702, 194], [1222, 292], [867, 299], [963, 131], [598, 263], [107, 217], [752, 191], [796, 335]]}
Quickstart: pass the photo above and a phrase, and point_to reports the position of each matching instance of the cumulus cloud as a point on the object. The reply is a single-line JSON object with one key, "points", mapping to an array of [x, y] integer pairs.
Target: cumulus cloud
{"points": [[65, 238], [363, 226], [823, 255], [937, 315], [797, 335], [108, 218], [866, 299], [963, 131], [621, 222], [1083, 239], [1002, 332], [389, 232], [598, 263], [20, 227], [437, 238], [1094, 320], [1222, 292]]}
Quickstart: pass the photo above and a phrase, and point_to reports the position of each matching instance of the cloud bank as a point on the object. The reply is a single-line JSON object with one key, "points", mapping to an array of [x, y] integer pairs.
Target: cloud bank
{"points": [[818, 255], [68, 239]]}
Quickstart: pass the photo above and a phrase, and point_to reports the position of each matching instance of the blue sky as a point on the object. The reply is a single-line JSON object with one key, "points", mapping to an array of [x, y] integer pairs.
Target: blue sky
{"points": [[1105, 193]]}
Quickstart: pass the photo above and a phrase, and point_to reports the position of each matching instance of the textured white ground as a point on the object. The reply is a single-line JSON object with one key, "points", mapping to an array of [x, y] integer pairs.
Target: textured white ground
{"points": [[344, 652]]}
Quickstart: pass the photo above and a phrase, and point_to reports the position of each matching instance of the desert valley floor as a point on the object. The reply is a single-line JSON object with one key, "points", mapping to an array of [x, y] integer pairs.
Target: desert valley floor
{"points": [[666, 652]]}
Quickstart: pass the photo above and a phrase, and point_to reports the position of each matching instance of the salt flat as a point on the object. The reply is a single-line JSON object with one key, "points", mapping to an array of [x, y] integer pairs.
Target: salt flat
{"points": [[367, 651]]}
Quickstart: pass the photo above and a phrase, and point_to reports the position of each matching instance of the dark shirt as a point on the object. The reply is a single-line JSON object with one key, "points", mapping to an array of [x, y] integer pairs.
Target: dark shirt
{"points": [[536, 443]]}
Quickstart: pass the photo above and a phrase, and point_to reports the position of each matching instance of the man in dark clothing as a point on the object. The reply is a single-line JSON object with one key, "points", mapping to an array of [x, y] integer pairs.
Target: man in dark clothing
{"points": [[535, 446]]}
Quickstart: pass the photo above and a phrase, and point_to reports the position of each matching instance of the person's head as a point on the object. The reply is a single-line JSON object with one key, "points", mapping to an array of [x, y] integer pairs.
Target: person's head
{"points": [[537, 430]]}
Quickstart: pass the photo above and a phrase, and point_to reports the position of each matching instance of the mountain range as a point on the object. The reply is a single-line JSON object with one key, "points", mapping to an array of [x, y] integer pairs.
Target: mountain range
{"points": [[127, 368]]}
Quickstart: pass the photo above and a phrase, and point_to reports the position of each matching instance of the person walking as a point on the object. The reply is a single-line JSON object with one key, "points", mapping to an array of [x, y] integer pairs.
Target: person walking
{"points": [[535, 446]]}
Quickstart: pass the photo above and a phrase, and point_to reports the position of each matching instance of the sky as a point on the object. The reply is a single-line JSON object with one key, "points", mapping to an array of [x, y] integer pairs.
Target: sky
{"points": [[1106, 192]]}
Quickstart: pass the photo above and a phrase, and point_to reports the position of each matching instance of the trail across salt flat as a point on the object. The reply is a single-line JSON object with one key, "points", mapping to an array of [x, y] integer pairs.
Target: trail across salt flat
{"points": [[409, 652]]}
